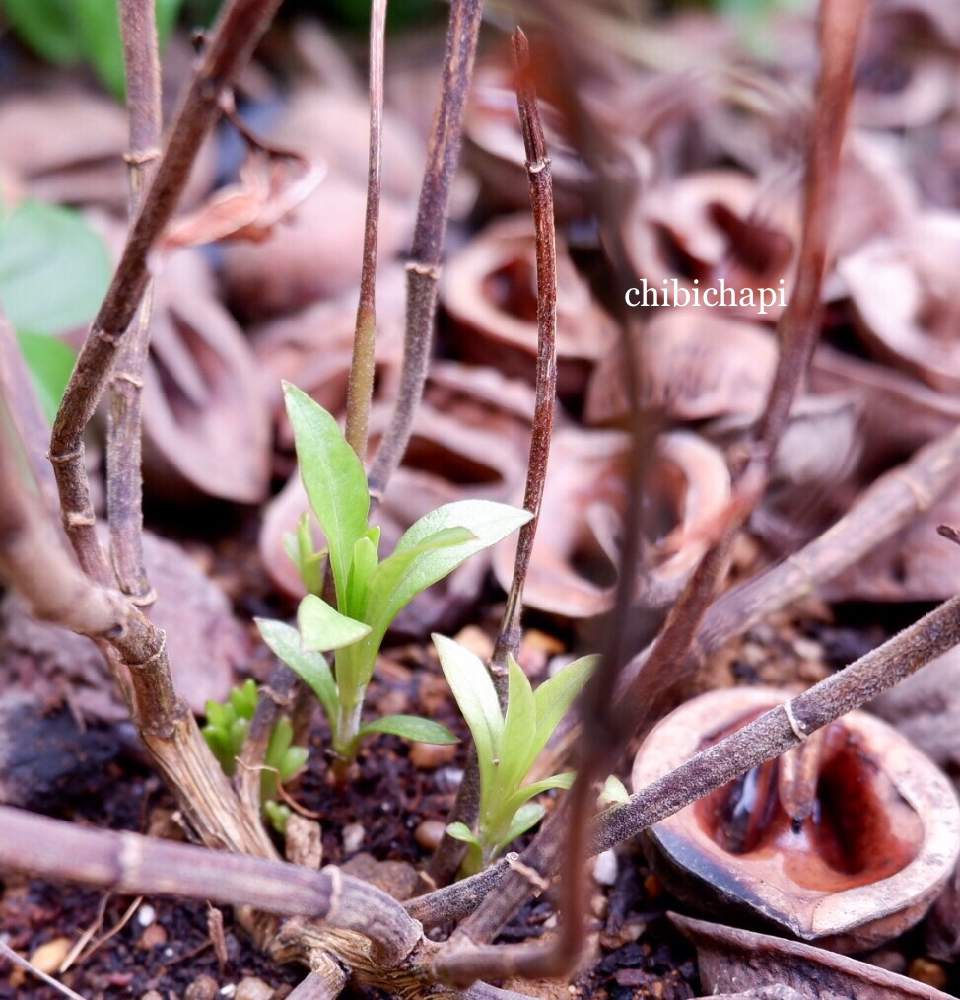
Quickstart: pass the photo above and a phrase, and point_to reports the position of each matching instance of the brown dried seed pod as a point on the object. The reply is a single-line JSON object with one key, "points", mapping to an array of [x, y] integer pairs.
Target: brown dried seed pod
{"points": [[881, 838]]}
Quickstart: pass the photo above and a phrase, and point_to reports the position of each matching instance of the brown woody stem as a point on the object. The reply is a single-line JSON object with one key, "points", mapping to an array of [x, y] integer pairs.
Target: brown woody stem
{"points": [[423, 269], [235, 35], [141, 59], [363, 364]]}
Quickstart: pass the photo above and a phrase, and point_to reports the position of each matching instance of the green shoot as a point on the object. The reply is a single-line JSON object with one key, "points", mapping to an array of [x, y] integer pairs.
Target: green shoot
{"points": [[507, 746], [225, 732], [369, 591]]}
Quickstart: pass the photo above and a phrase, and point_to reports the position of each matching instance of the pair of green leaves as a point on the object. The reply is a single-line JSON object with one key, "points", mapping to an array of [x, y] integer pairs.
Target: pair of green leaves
{"points": [[69, 32], [225, 733], [370, 592], [54, 271], [507, 745]]}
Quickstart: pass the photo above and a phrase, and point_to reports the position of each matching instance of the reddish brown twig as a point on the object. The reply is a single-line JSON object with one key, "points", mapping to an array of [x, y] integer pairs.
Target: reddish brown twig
{"points": [[423, 269], [465, 808], [141, 59], [237, 31], [363, 363]]}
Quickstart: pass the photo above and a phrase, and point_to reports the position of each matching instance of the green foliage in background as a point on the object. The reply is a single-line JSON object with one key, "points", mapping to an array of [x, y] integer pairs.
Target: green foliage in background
{"points": [[54, 271], [225, 732], [71, 32]]}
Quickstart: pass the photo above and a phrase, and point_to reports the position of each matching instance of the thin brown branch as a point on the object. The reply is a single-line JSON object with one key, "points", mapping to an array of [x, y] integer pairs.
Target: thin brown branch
{"points": [[423, 269], [324, 983], [141, 59], [540, 182], [764, 738], [363, 363], [235, 35], [466, 806]]}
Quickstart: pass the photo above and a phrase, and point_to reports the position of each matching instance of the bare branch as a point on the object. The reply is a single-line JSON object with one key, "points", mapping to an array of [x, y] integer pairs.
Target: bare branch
{"points": [[141, 58], [423, 269], [363, 364], [237, 31]]}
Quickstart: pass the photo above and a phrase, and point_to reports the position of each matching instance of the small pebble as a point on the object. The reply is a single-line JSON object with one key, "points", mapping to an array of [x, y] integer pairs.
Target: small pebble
{"points": [[605, 868], [429, 833], [202, 988], [448, 780], [229, 990], [153, 937], [47, 957], [429, 757], [476, 640], [251, 988], [353, 834], [926, 971], [146, 915]]}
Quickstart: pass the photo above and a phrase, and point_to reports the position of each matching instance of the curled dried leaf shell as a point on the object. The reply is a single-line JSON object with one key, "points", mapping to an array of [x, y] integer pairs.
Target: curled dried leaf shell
{"points": [[881, 841], [490, 293], [731, 959], [205, 418], [693, 365], [575, 554]]}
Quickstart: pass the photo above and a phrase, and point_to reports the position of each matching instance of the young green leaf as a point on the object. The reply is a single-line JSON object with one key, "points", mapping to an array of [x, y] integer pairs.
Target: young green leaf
{"points": [[401, 576], [487, 522], [564, 780], [555, 696], [523, 819], [243, 698], [278, 815], [411, 727], [300, 551], [361, 570], [323, 627], [477, 700], [519, 731], [284, 641], [462, 832], [613, 792], [292, 763], [334, 479]]}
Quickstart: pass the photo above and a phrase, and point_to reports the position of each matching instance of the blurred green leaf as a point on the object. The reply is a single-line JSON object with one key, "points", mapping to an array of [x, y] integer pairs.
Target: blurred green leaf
{"points": [[54, 269], [50, 362], [66, 32], [411, 727]]}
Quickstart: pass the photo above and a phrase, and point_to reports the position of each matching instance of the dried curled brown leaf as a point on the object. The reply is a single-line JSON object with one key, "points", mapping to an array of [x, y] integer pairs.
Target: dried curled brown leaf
{"points": [[734, 959], [205, 417], [490, 293], [575, 555], [206, 643]]}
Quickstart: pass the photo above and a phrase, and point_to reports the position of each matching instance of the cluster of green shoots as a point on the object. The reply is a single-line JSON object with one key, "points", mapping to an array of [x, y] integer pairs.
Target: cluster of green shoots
{"points": [[369, 592], [225, 733], [507, 745]]}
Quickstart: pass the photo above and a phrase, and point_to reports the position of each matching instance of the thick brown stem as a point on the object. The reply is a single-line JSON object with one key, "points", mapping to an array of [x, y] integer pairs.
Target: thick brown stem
{"points": [[141, 59], [363, 364], [234, 37], [423, 270]]}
